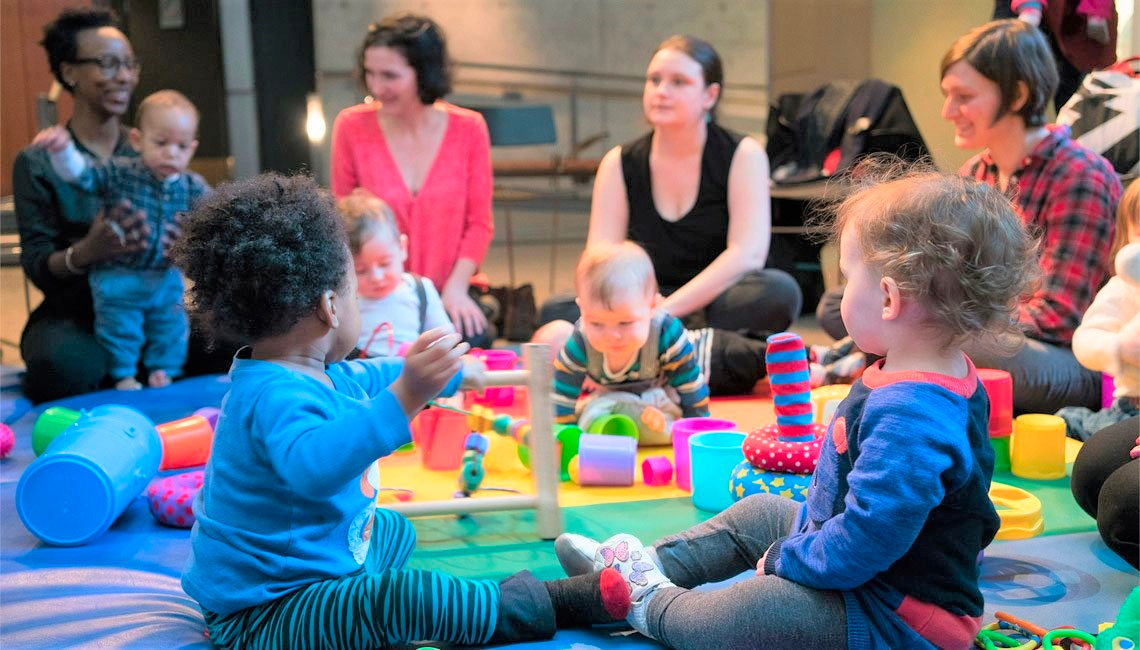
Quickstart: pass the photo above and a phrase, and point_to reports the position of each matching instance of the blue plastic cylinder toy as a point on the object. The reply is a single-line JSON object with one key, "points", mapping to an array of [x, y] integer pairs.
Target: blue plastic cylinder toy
{"points": [[88, 476], [712, 456]]}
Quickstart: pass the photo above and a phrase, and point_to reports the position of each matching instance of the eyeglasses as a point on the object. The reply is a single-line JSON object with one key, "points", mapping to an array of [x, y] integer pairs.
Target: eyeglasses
{"points": [[110, 65]]}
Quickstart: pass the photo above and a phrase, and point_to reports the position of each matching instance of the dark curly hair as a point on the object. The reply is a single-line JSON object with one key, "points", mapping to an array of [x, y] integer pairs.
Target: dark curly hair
{"points": [[260, 253], [61, 35], [420, 40]]}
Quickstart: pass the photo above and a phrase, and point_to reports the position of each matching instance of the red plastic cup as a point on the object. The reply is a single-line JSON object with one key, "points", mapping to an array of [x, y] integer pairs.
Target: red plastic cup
{"points": [[442, 434], [185, 442], [496, 360], [999, 387]]}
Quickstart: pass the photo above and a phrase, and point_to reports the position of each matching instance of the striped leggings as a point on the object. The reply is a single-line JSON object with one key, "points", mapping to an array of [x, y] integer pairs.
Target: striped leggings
{"points": [[382, 605]]}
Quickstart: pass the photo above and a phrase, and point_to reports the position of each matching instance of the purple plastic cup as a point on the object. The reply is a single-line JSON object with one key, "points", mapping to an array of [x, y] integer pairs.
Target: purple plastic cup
{"points": [[684, 429]]}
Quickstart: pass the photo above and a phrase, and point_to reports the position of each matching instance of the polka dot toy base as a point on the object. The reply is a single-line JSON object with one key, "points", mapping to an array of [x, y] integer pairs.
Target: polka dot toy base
{"points": [[747, 480], [171, 499], [764, 450]]}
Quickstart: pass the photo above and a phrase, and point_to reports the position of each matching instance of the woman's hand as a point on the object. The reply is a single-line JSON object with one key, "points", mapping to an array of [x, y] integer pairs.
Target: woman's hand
{"points": [[464, 312], [171, 233], [119, 233], [430, 363], [1135, 453]]}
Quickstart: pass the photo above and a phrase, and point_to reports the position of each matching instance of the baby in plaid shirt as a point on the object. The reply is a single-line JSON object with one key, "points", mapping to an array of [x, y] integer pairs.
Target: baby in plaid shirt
{"points": [[138, 302]]}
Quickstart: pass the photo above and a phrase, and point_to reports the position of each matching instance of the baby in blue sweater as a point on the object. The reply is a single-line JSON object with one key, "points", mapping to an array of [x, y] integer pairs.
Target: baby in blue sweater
{"points": [[883, 554], [288, 549]]}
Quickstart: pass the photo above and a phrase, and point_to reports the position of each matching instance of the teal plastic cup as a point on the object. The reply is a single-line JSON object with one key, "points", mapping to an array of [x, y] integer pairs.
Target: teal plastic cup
{"points": [[712, 457]]}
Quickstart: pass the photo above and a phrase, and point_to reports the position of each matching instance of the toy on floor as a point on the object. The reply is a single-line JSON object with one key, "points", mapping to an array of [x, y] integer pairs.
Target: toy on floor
{"points": [[93, 470], [441, 432], [656, 471], [52, 422], [1124, 634], [538, 377], [185, 442], [998, 385], [1018, 510], [605, 460], [681, 432], [7, 440], [714, 455], [780, 458], [825, 399], [171, 498], [1037, 447]]}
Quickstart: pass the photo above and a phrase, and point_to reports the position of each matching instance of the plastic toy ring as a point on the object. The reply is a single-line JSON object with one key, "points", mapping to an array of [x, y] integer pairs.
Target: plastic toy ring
{"points": [[765, 450]]}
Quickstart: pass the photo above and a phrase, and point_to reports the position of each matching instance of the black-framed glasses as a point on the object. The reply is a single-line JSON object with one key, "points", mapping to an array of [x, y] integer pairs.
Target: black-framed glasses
{"points": [[110, 65]]}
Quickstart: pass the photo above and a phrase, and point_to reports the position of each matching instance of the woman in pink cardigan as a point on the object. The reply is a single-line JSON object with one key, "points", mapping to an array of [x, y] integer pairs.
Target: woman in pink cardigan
{"points": [[427, 159]]}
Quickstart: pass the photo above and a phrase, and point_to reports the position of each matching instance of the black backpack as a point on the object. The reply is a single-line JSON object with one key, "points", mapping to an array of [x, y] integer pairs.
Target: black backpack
{"points": [[836, 125]]}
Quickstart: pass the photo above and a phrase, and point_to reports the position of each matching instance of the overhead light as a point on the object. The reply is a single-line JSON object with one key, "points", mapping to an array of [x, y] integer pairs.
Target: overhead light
{"points": [[315, 125]]}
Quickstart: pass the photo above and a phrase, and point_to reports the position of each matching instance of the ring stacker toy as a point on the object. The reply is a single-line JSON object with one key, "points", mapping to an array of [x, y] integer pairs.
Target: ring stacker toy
{"points": [[537, 374], [1018, 510], [656, 470], [780, 458]]}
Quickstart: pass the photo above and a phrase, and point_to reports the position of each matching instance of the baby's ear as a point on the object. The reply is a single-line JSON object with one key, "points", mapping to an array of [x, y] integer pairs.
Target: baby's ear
{"points": [[136, 139], [892, 298], [403, 248], [326, 309]]}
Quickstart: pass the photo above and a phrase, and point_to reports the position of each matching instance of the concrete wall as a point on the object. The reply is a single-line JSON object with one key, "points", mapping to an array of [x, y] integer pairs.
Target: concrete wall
{"points": [[607, 43], [907, 44]]}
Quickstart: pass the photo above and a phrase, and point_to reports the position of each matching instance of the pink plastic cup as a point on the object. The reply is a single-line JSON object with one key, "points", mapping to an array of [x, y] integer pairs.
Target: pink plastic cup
{"points": [[497, 360], [684, 429]]}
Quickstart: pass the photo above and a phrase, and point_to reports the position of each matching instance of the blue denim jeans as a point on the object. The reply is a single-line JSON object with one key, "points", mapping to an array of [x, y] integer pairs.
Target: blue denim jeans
{"points": [[140, 313]]}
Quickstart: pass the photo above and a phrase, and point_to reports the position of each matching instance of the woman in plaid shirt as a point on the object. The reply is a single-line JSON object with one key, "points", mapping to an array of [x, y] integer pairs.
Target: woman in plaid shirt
{"points": [[997, 80]]}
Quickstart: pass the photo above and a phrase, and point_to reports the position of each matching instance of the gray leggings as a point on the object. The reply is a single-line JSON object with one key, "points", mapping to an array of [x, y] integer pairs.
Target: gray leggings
{"points": [[757, 612], [1046, 377]]}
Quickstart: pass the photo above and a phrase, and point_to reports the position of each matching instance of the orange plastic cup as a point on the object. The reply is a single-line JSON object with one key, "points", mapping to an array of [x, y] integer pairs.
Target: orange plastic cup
{"points": [[185, 442]]}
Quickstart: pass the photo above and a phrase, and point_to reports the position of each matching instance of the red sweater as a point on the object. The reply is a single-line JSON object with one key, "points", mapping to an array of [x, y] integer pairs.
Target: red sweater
{"points": [[450, 217]]}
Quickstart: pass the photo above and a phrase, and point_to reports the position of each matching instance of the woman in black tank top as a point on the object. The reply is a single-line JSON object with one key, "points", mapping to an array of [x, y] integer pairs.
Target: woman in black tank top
{"points": [[695, 195]]}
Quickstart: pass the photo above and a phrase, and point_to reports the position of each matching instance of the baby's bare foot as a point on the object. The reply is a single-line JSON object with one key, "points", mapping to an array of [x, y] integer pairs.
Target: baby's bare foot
{"points": [[128, 383], [158, 379]]}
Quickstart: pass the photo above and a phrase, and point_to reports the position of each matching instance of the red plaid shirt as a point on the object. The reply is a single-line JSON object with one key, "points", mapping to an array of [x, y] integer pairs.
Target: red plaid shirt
{"points": [[1067, 196]]}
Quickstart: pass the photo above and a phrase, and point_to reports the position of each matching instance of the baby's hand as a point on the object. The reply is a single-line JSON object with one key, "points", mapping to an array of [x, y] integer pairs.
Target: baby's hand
{"points": [[1135, 453], [474, 374], [429, 364], [760, 564], [54, 139]]}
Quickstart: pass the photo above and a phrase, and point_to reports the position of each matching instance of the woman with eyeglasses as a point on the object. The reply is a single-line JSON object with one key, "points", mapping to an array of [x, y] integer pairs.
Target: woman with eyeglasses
{"points": [[429, 160], [64, 229]]}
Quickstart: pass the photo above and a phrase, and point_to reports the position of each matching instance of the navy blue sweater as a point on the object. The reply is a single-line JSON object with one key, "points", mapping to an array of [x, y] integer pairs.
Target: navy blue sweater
{"points": [[899, 509]]}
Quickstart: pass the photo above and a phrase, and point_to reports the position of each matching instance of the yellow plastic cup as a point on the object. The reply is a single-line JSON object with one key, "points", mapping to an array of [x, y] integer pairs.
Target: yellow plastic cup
{"points": [[824, 401], [1037, 447]]}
